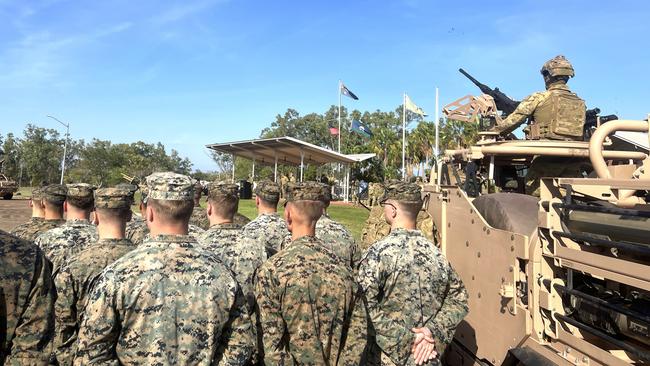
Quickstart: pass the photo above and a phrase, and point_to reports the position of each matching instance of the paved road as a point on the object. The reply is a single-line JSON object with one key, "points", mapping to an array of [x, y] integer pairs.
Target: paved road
{"points": [[13, 212]]}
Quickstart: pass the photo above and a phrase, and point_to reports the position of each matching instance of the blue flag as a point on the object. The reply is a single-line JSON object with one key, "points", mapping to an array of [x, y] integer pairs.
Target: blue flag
{"points": [[345, 91], [361, 129]]}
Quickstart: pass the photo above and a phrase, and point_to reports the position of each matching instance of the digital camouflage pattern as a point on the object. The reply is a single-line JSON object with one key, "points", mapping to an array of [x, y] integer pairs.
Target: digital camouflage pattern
{"points": [[23, 229], [220, 233], [242, 255], [268, 191], [408, 283], [170, 186], [338, 239], [310, 313], [403, 192], [200, 218], [62, 242], [376, 228], [73, 282], [270, 230], [305, 191], [223, 190], [137, 231], [167, 302], [34, 227], [55, 193], [114, 198], [27, 297], [239, 253], [80, 194], [240, 219]]}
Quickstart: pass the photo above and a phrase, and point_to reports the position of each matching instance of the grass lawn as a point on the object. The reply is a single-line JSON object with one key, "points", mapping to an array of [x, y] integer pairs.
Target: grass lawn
{"points": [[350, 216]]}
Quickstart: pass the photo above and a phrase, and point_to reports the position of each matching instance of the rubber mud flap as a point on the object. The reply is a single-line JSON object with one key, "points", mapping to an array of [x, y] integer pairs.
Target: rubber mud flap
{"points": [[512, 212]]}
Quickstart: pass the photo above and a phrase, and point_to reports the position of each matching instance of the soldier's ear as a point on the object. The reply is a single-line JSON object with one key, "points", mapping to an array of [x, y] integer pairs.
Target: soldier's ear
{"points": [[150, 216], [65, 206], [208, 209], [95, 218]]}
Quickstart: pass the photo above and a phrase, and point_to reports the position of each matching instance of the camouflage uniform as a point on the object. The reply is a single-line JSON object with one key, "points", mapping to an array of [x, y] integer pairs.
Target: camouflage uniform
{"points": [[169, 301], [73, 282], [269, 229], [310, 311], [240, 219], [32, 228], [27, 299], [408, 283], [137, 231], [338, 239], [62, 242], [200, 218]]}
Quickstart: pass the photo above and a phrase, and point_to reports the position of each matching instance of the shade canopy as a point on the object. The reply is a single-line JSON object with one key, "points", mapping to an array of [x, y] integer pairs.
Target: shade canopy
{"points": [[287, 150]]}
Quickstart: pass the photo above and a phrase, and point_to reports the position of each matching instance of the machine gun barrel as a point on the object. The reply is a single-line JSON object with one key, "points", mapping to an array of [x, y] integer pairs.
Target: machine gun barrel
{"points": [[502, 101]]}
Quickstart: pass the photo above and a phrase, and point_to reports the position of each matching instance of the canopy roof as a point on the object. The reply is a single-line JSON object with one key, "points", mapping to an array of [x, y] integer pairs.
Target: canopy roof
{"points": [[288, 151]]}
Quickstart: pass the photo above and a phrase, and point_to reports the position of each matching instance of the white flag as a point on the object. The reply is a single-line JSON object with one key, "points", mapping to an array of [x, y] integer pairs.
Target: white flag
{"points": [[408, 104]]}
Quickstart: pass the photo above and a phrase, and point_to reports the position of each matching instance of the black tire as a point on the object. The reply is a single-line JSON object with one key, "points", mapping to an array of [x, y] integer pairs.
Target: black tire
{"points": [[8, 196]]}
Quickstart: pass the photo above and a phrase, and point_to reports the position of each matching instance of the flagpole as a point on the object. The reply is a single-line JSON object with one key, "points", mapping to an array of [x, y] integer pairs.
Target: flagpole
{"points": [[404, 136], [437, 127], [339, 116]]}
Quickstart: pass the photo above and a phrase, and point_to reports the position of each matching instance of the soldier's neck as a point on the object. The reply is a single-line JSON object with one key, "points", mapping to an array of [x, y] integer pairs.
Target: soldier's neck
{"points": [[111, 231], [555, 84], [218, 220], [76, 214], [38, 213], [177, 228], [266, 210], [53, 215], [298, 231], [403, 224]]}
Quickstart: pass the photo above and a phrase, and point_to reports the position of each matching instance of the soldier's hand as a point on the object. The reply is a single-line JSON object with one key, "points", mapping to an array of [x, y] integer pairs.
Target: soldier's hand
{"points": [[423, 348]]}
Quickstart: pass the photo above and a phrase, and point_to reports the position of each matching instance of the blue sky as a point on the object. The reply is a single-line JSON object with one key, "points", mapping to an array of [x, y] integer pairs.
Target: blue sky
{"points": [[188, 73]]}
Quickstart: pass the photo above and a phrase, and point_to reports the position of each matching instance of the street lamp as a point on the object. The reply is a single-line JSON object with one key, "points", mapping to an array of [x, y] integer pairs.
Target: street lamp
{"points": [[65, 146]]}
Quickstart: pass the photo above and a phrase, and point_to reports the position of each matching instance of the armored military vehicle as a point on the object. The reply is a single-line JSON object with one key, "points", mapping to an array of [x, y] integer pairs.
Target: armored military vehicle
{"points": [[559, 279], [7, 187]]}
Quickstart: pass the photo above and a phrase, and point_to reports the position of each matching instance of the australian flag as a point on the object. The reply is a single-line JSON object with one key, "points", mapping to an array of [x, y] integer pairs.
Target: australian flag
{"points": [[361, 129], [345, 91]]}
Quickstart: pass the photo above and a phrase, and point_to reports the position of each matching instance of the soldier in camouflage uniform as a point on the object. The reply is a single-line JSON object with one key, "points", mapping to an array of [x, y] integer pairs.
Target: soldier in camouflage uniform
{"points": [[241, 254], [223, 200], [558, 114], [310, 311], [26, 230], [112, 212], [51, 200], [409, 286], [268, 228], [136, 229], [334, 235], [77, 233], [199, 215], [169, 301], [26, 303]]}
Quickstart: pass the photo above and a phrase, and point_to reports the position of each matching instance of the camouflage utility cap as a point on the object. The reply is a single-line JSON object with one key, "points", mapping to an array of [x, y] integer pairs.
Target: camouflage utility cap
{"points": [[80, 194], [327, 192], [55, 193], [127, 186], [558, 66], [113, 198], [37, 194], [268, 190], [306, 191], [170, 186], [402, 192], [223, 190]]}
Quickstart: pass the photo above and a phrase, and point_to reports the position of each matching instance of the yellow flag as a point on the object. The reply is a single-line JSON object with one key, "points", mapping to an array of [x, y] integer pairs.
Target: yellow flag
{"points": [[408, 104]]}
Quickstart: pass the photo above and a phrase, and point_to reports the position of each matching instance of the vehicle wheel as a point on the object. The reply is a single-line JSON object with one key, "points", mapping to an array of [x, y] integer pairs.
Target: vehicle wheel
{"points": [[8, 196]]}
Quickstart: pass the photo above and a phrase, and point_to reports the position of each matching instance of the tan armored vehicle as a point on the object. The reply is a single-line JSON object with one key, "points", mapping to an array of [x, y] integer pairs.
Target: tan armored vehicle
{"points": [[7, 187], [559, 279]]}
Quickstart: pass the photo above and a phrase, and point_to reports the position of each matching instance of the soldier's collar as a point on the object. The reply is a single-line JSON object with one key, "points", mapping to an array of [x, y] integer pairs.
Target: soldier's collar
{"points": [[408, 231], [226, 226], [167, 238], [114, 241]]}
